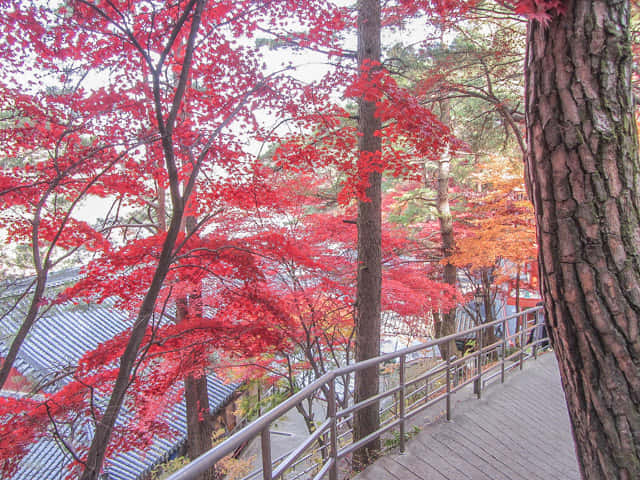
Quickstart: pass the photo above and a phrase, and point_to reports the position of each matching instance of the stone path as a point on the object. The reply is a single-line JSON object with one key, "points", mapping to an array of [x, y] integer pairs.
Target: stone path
{"points": [[518, 431]]}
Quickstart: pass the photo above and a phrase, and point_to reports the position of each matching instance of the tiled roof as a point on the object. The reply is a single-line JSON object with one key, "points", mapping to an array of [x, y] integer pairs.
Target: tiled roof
{"points": [[61, 336], [58, 340], [47, 460]]}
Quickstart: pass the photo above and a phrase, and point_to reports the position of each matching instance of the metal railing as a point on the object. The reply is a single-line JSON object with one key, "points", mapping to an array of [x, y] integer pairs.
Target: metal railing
{"points": [[320, 453]]}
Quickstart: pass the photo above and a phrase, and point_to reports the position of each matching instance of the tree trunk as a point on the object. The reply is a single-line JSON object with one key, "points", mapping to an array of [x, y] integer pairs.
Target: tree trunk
{"points": [[104, 427], [199, 422], [367, 339], [518, 290], [447, 321], [196, 395], [488, 334], [584, 177], [25, 327]]}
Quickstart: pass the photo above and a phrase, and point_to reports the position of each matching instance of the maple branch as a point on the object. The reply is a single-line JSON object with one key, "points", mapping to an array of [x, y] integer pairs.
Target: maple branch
{"points": [[128, 34], [92, 404], [187, 254], [207, 147], [188, 56], [192, 231], [222, 367], [291, 41], [61, 374], [23, 294], [75, 202], [58, 435], [166, 129], [148, 226], [18, 188], [145, 349]]}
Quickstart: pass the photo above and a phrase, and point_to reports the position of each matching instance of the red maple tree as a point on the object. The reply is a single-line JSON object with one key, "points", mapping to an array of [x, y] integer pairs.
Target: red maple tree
{"points": [[145, 103]]}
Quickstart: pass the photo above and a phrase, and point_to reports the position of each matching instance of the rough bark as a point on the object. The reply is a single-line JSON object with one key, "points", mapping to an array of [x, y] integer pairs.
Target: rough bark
{"points": [[446, 324], [367, 339], [199, 430], [584, 176], [199, 421], [196, 395], [488, 334]]}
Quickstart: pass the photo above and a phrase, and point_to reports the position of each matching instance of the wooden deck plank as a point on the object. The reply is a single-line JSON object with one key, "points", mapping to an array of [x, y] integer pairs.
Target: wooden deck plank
{"points": [[519, 430], [423, 454], [502, 453], [425, 472], [443, 457]]}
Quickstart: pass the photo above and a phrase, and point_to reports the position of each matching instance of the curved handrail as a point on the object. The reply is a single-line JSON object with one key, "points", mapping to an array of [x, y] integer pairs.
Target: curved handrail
{"points": [[261, 425]]}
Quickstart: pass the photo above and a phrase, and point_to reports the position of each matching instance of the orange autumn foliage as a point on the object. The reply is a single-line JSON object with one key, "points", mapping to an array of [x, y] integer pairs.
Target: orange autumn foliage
{"points": [[500, 221]]}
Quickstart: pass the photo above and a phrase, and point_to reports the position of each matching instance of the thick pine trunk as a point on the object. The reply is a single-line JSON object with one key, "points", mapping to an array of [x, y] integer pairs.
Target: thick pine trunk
{"points": [[584, 176], [199, 430], [367, 338], [446, 324]]}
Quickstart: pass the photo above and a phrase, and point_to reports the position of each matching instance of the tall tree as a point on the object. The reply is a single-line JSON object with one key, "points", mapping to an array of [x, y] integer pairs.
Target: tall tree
{"points": [[446, 323], [584, 176], [173, 95], [369, 267], [48, 169], [196, 393]]}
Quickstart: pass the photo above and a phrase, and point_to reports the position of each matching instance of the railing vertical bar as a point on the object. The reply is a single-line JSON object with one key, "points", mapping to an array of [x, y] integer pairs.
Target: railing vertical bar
{"points": [[523, 324], [265, 441], [478, 383], [426, 388], [534, 335], [402, 401], [333, 430], [448, 380], [504, 350]]}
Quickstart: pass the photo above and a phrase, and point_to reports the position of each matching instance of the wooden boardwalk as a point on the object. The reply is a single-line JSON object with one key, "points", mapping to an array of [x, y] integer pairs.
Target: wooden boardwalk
{"points": [[517, 431]]}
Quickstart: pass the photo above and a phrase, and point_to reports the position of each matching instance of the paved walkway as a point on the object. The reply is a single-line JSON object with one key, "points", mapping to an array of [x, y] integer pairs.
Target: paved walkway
{"points": [[517, 431]]}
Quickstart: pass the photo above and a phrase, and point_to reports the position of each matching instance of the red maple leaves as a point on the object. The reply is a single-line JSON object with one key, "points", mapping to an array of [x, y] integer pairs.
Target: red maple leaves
{"points": [[151, 106]]}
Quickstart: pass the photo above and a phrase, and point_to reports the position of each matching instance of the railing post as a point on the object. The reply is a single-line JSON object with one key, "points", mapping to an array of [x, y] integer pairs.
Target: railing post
{"points": [[534, 336], [522, 335], [265, 440], [477, 384], [426, 388], [333, 430], [401, 401], [504, 349], [448, 380]]}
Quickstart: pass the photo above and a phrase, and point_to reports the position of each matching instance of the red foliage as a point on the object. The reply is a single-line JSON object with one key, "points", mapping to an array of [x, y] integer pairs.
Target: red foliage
{"points": [[539, 10], [93, 117], [409, 130]]}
